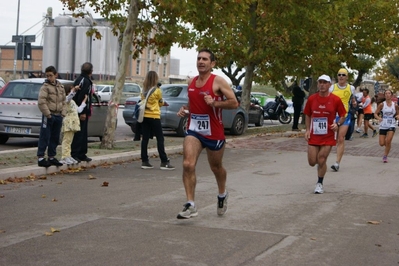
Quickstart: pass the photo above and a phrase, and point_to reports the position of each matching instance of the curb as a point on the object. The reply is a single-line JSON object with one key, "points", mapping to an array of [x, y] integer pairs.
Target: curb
{"points": [[34, 170]]}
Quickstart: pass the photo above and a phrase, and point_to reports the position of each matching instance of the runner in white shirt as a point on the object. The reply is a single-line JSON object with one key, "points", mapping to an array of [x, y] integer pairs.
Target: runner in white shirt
{"points": [[390, 113]]}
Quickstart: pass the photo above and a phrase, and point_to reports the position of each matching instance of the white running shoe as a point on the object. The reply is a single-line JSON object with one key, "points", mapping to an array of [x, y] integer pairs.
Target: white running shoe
{"points": [[68, 161], [188, 212], [73, 160], [335, 167], [222, 204], [319, 189]]}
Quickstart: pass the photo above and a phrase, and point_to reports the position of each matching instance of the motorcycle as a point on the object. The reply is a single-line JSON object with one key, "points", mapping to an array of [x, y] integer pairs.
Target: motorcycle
{"points": [[276, 110]]}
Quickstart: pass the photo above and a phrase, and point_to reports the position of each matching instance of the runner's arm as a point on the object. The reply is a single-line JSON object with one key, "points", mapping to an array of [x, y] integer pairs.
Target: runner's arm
{"points": [[221, 87], [377, 112]]}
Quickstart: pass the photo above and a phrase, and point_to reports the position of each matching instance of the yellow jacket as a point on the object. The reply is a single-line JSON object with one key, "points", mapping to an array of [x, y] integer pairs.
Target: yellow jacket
{"points": [[154, 103]]}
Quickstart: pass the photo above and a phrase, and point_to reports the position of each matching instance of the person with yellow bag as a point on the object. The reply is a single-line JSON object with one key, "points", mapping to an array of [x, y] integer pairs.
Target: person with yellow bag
{"points": [[151, 99]]}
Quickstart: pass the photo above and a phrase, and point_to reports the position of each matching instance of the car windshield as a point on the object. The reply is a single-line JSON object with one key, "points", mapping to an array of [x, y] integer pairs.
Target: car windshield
{"points": [[22, 90], [131, 88], [172, 91], [99, 87]]}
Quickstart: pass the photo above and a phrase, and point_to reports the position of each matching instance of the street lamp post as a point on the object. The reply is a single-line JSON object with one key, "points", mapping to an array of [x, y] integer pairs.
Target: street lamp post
{"points": [[16, 44]]}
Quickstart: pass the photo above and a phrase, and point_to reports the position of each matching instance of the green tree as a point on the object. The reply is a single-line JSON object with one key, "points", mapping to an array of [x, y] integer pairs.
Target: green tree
{"points": [[388, 72], [297, 38], [269, 39]]}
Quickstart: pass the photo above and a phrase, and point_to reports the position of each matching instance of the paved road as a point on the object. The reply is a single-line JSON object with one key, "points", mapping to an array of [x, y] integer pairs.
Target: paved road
{"points": [[273, 217]]}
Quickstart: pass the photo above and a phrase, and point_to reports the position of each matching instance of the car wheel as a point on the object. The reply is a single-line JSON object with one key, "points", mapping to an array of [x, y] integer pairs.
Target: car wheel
{"points": [[238, 125], [3, 139], [260, 120], [181, 130]]}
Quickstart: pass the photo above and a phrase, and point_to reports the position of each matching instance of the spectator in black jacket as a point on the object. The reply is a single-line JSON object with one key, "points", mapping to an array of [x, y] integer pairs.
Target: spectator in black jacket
{"points": [[79, 143], [297, 101]]}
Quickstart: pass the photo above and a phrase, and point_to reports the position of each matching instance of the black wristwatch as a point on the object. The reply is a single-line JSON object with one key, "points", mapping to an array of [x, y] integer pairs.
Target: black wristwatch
{"points": [[338, 124]]}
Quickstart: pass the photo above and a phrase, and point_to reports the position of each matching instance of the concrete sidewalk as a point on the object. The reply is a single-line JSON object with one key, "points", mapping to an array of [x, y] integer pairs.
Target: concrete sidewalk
{"points": [[112, 158], [273, 217]]}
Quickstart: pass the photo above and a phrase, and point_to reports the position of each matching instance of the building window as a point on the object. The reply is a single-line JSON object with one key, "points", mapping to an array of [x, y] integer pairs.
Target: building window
{"points": [[138, 67], [148, 53], [164, 70], [148, 66]]}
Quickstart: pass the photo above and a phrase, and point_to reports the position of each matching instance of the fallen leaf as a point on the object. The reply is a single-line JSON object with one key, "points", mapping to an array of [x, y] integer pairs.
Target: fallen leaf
{"points": [[43, 177], [91, 177], [48, 234], [373, 222], [54, 199], [43, 196], [378, 245], [53, 230], [313, 238], [105, 184], [2, 231], [2, 196]]}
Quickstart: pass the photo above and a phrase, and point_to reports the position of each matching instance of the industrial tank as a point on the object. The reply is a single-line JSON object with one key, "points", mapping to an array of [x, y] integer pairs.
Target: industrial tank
{"points": [[113, 54], [50, 47], [62, 20], [99, 52], [66, 51], [85, 22], [82, 48]]}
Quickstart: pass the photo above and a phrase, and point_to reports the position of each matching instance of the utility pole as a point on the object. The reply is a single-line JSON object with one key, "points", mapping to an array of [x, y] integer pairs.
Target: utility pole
{"points": [[16, 44]]}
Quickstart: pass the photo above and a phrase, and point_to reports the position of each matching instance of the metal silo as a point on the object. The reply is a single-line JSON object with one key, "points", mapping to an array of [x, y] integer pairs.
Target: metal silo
{"points": [[82, 48], [85, 22], [62, 20], [50, 47], [99, 52], [66, 52], [113, 54]]}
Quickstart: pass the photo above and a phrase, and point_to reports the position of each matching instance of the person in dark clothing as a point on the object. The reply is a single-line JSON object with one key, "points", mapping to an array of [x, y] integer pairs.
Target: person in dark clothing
{"points": [[352, 110], [297, 101], [79, 143], [51, 103]]}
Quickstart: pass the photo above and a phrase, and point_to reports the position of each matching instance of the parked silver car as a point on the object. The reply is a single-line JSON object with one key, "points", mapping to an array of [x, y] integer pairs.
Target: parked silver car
{"points": [[175, 96], [21, 117], [129, 90]]}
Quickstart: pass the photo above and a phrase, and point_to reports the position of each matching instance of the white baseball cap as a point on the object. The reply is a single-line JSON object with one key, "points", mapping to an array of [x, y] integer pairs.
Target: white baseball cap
{"points": [[324, 77]]}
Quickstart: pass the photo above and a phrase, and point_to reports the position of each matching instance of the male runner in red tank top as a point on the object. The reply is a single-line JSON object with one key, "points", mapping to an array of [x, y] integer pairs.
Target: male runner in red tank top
{"points": [[208, 94]]}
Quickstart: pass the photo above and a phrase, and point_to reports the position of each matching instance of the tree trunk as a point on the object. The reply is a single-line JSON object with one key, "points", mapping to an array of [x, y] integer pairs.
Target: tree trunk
{"points": [[111, 121], [246, 90]]}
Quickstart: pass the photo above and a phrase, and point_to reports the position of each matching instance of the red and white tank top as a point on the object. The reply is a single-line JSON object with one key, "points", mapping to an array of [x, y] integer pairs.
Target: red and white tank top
{"points": [[204, 119]]}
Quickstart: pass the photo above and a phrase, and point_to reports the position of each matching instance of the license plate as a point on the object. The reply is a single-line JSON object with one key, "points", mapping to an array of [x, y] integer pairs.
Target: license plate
{"points": [[18, 130]]}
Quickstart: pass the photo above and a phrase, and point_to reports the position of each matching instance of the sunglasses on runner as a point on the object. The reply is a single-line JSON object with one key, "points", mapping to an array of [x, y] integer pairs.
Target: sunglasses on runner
{"points": [[341, 75]]}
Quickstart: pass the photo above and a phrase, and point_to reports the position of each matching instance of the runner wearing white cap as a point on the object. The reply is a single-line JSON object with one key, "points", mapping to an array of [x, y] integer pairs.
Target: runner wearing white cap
{"points": [[320, 110]]}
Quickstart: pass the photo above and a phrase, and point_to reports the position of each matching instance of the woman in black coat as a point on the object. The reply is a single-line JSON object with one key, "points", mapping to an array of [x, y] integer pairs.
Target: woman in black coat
{"points": [[297, 101]]}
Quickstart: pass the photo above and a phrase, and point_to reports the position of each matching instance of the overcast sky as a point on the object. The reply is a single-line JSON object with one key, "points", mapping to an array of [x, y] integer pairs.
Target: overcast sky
{"points": [[32, 12]]}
